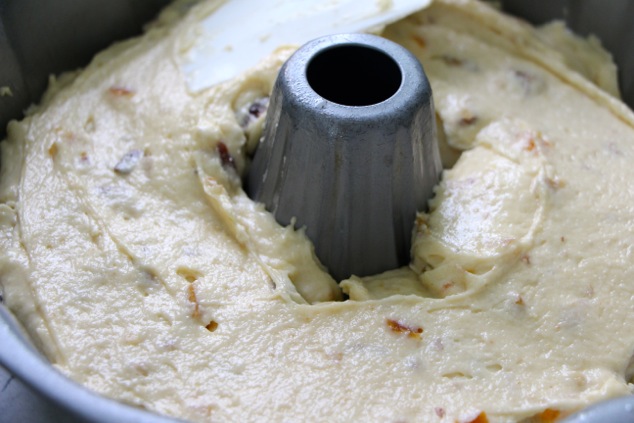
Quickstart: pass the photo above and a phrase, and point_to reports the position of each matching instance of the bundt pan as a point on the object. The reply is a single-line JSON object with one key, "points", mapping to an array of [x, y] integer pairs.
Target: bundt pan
{"points": [[40, 38]]}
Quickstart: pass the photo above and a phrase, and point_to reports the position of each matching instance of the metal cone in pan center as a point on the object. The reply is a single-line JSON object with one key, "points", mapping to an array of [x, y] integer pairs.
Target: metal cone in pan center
{"points": [[349, 151]]}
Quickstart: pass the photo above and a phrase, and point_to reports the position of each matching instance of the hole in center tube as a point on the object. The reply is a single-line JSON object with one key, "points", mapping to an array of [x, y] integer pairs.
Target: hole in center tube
{"points": [[353, 75]]}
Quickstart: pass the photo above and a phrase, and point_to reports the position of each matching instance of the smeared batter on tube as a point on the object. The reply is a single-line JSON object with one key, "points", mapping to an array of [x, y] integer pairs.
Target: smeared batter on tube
{"points": [[139, 265]]}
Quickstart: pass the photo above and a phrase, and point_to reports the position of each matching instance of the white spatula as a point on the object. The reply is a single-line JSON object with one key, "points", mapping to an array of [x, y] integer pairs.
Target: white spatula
{"points": [[241, 32]]}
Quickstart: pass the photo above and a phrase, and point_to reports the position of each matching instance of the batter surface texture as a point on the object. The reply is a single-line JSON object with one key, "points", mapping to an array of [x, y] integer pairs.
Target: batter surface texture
{"points": [[141, 268]]}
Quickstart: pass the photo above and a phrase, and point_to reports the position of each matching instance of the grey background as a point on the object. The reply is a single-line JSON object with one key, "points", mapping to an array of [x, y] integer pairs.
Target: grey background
{"points": [[19, 404]]}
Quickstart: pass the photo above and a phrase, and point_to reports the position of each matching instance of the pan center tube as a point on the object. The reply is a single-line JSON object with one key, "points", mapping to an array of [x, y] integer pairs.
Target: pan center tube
{"points": [[349, 151], [353, 75]]}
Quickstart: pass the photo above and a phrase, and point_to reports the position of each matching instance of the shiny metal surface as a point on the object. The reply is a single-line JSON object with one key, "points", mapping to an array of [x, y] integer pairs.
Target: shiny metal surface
{"points": [[618, 410], [349, 132]]}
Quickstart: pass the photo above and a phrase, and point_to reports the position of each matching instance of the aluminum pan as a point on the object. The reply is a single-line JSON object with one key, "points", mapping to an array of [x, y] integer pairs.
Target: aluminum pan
{"points": [[49, 44]]}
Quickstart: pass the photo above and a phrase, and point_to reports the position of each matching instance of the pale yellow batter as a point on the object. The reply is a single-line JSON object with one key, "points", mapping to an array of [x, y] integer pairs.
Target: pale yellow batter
{"points": [[141, 268]]}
